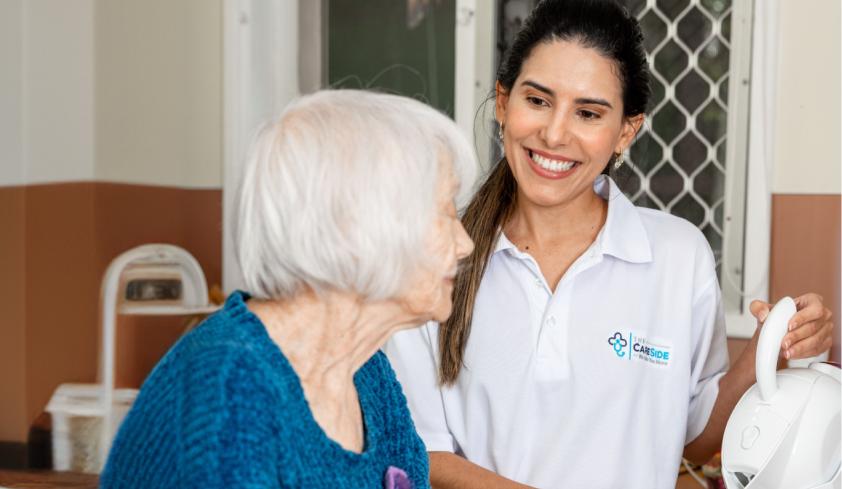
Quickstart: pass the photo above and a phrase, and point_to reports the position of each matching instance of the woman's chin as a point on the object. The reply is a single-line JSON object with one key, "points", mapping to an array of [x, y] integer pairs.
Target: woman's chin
{"points": [[545, 196], [442, 312], [552, 193]]}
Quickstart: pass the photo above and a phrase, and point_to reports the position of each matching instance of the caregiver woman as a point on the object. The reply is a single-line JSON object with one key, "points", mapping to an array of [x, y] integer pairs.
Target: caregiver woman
{"points": [[587, 343]]}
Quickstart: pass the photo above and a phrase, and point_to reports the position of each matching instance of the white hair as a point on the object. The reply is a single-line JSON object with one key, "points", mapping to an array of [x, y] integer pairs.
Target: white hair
{"points": [[339, 191]]}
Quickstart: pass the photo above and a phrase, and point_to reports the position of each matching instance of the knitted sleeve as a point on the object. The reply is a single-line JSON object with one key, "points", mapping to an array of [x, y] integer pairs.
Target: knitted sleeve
{"points": [[228, 430]]}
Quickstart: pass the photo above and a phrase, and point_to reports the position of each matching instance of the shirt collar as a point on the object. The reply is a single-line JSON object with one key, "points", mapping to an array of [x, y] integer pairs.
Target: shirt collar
{"points": [[623, 235]]}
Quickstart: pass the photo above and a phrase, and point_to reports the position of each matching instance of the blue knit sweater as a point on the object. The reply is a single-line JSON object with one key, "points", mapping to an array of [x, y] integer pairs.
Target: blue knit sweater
{"points": [[224, 408]]}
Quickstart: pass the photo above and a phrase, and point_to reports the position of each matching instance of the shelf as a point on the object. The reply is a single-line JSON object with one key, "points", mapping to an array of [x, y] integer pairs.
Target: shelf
{"points": [[164, 310]]}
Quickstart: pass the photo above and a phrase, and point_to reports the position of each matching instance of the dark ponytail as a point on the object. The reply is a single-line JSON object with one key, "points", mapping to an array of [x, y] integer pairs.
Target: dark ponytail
{"points": [[602, 25]]}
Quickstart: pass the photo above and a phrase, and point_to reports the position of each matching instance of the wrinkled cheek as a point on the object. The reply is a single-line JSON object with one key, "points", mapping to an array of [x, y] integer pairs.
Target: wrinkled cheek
{"points": [[423, 298]]}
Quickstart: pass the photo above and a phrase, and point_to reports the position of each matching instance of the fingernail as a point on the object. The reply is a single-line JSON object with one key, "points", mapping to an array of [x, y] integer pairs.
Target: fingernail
{"points": [[786, 345], [763, 316], [788, 354], [792, 326]]}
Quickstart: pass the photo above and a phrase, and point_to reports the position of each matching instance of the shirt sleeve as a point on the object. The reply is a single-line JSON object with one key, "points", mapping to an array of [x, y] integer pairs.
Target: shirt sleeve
{"points": [[226, 426], [412, 354], [709, 358]]}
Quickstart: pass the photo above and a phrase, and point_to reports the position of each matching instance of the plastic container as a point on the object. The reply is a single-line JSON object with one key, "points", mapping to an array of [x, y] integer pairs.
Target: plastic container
{"points": [[78, 419]]}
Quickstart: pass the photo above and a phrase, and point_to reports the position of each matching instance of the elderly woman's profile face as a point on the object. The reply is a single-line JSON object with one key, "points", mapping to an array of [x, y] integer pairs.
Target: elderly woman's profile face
{"points": [[447, 242]]}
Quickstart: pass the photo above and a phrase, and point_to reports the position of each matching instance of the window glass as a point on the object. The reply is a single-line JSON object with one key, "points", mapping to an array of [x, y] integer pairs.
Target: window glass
{"points": [[405, 47], [677, 163]]}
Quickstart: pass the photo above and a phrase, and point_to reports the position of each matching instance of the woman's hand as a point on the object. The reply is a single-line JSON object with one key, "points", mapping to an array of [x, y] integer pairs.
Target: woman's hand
{"points": [[809, 330]]}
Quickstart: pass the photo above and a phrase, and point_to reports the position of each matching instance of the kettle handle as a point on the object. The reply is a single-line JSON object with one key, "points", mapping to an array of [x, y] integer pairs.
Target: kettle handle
{"points": [[769, 346]]}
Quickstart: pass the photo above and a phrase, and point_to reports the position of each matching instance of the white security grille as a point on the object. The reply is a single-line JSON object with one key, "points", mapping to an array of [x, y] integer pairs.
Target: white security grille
{"points": [[677, 162]]}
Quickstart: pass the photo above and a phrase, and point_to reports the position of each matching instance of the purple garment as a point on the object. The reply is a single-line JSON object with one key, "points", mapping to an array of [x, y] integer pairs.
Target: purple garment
{"points": [[396, 479]]}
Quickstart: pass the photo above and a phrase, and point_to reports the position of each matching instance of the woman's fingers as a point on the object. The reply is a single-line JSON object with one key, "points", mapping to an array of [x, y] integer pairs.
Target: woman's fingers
{"points": [[807, 299], [760, 310], [810, 308], [809, 329], [811, 345], [801, 332], [808, 322], [828, 342]]}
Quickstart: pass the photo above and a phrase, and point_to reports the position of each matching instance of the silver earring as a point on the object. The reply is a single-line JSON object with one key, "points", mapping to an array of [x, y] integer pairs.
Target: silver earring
{"points": [[618, 160], [500, 133]]}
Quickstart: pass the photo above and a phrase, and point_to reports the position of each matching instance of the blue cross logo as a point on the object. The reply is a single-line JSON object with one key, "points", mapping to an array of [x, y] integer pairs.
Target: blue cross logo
{"points": [[618, 343]]}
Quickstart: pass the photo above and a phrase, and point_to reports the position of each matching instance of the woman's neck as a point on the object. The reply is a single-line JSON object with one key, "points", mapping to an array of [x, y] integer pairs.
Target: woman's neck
{"points": [[328, 341], [579, 218]]}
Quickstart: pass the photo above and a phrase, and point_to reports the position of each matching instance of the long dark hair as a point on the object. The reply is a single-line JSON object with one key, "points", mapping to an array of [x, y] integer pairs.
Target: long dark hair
{"points": [[602, 25]]}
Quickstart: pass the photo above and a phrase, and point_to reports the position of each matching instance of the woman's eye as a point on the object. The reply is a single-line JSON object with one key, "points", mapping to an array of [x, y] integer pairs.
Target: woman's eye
{"points": [[588, 115], [536, 101]]}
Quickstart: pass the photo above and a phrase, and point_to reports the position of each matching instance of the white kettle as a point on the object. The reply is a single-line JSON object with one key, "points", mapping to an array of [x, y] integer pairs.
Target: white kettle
{"points": [[785, 431]]}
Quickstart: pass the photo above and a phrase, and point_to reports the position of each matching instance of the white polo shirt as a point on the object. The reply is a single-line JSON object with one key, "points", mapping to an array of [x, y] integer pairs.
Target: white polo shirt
{"points": [[599, 384]]}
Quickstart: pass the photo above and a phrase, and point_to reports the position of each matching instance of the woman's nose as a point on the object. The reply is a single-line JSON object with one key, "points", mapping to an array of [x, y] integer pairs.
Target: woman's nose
{"points": [[557, 130], [464, 243]]}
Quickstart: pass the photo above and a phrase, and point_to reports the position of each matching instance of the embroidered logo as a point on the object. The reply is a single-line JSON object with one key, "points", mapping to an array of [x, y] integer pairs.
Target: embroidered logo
{"points": [[618, 343], [638, 348]]}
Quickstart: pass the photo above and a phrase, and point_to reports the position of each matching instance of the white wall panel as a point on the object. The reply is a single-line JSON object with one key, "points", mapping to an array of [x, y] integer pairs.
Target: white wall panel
{"points": [[58, 90], [807, 157], [127, 91], [11, 92], [159, 92]]}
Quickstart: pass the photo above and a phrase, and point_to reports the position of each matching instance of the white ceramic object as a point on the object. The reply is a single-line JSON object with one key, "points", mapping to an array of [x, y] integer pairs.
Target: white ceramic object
{"points": [[785, 431]]}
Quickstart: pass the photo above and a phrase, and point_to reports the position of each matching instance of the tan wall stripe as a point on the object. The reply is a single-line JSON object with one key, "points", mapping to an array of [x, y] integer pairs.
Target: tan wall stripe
{"points": [[805, 254], [56, 243], [12, 312]]}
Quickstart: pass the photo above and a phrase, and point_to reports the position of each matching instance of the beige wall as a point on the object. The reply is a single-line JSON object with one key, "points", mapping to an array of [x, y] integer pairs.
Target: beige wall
{"points": [[159, 92], [117, 91], [809, 121], [11, 92], [46, 92], [95, 91], [58, 90]]}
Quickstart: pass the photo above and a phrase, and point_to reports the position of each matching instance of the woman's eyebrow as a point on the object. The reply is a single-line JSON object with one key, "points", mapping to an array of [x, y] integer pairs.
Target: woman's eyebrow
{"points": [[538, 87], [593, 101], [578, 101]]}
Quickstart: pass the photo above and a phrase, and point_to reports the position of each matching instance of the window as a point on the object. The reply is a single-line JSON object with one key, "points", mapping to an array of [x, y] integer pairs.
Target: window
{"points": [[678, 160], [678, 163], [402, 47]]}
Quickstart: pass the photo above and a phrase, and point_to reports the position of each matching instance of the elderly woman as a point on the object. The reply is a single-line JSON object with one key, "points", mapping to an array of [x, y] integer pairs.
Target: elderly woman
{"points": [[346, 232]]}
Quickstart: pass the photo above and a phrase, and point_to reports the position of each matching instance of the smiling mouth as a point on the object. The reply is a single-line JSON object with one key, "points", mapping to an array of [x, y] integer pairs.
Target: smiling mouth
{"points": [[552, 165]]}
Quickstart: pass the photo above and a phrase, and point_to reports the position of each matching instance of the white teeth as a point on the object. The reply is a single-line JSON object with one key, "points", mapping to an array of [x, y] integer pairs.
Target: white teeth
{"points": [[552, 165]]}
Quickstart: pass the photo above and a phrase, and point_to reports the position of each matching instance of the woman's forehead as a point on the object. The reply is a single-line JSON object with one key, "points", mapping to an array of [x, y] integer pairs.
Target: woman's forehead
{"points": [[569, 68]]}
